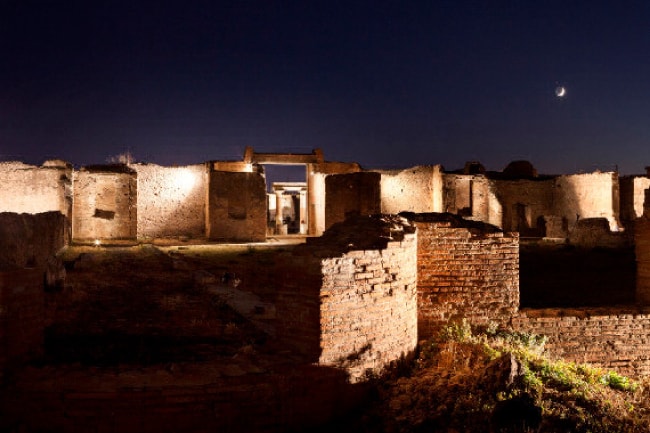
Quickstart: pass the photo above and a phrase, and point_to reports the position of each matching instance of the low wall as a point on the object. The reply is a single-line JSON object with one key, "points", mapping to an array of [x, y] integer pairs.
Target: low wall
{"points": [[171, 200], [351, 302], [610, 338], [465, 270]]}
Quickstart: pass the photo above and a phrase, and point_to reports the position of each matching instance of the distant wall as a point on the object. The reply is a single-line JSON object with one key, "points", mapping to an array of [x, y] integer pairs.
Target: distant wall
{"points": [[589, 195], [642, 252], [523, 201], [105, 203], [355, 310], [32, 189], [632, 192], [464, 272], [171, 200], [351, 194], [416, 189], [237, 207], [609, 338]]}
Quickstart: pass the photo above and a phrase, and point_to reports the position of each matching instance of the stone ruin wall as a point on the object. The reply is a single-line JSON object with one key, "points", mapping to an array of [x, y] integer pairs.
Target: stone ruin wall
{"points": [[356, 309], [465, 273], [588, 195], [632, 192], [105, 203], [351, 194], [417, 189], [171, 200], [35, 189], [613, 338], [232, 214]]}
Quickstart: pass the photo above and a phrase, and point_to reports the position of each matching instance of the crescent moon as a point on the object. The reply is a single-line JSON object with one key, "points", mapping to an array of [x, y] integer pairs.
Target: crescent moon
{"points": [[560, 91]]}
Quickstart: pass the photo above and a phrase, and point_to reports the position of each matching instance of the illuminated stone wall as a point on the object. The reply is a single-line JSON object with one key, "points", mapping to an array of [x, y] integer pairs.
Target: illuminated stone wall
{"points": [[416, 189], [105, 203], [632, 190], [171, 200], [465, 270], [237, 207], [612, 338], [33, 189], [348, 299], [351, 194]]}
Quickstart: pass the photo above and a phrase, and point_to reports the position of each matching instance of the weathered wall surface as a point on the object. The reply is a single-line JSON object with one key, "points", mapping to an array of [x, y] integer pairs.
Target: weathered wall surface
{"points": [[28, 240], [351, 194], [352, 309], [523, 201], [416, 189], [642, 251], [316, 175], [464, 271], [632, 192], [589, 195], [32, 189], [611, 338], [105, 203], [171, 200], [595, 232], [237, 207]]}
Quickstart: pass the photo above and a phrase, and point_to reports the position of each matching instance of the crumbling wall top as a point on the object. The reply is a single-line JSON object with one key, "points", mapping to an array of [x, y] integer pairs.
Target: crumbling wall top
{"points": [[447, 219], [364, 233]]}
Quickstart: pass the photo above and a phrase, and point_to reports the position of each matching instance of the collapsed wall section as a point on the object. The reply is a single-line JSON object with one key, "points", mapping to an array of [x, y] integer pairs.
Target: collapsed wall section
{"points": [[610, 338], [466, 270], [105, 203], [171, 200], [351, 302], [32, 189]]}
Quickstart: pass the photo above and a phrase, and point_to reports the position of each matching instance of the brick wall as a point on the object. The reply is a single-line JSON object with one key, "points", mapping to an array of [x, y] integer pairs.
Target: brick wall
{"points": [[171, 200], [465, 270], [352, 300], [105, 203], [611, 338]]}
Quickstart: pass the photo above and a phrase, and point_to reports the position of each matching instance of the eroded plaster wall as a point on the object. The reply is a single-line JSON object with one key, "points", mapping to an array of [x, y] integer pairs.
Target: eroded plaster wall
{"points": [[171, 200], [105, 203], [237, 207], [588, 195], [34, 189], [416, 189], [632, 192], [465, 271]]}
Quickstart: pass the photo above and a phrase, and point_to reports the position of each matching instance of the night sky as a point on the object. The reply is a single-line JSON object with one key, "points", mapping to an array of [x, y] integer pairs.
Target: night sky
{"points": [[388, 84]]}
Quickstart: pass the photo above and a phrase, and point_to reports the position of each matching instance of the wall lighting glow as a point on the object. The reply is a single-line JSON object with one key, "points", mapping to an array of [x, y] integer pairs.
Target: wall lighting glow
{"points": [[97, 242], [185, 180]]}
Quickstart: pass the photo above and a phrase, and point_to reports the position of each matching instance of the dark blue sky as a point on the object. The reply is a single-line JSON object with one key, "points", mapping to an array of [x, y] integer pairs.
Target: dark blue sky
{"points": [[383, 83]]}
